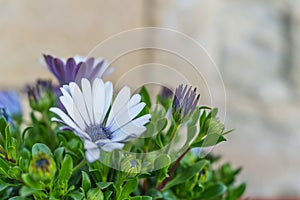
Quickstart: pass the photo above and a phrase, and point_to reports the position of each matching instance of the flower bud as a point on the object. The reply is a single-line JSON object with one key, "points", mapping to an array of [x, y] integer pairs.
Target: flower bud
{"points": [[42, 167]]}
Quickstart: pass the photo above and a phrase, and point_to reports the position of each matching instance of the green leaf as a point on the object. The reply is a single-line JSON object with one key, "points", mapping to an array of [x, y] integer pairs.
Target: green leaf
{"points": [[18, 198], [145, 96], [162, 161], [85, 183], [4, 167], [76, 195], [107, 195], [95, 194], [39, 147], [15, 171], [236, 192], [24, 159], [168, 195], [141, 198], [58, 155], [3, 125], [27, 191], [30, 182], [189, 173], [209, 140], [104, 185], [129, 187], [64, 175], [214, 191]]}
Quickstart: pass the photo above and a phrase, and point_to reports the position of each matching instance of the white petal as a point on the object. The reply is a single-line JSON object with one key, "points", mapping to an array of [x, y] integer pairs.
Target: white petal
{"points": [[98, 99], [135, 99], [141, 121], [130, 130], [119, 103], [87, 94], [72, 111], [66, 119], [108, 98], [65, 88], [126, 116], [79, 102], [92, 151], [92, 155], [112, 146]]}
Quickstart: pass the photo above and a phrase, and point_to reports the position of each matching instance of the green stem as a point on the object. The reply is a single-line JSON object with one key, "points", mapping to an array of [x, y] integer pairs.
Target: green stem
{"points": [[175, 129], [79, 165]]}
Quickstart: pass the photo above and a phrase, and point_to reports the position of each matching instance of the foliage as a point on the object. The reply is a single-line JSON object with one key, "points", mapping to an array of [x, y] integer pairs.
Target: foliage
{"points": [[42, 162]]}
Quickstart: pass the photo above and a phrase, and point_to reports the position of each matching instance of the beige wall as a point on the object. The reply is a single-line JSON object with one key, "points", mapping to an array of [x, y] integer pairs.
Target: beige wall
{"points": [[254, 42]]}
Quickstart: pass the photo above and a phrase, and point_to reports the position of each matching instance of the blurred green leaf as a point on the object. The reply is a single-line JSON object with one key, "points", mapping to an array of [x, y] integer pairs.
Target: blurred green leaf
{"points": [[209, 140], [214, 191], [104, 185], [235, 193], [30, 182], [27, 191], [189, 172], [95, 194], [85, 183], [129, 187]]}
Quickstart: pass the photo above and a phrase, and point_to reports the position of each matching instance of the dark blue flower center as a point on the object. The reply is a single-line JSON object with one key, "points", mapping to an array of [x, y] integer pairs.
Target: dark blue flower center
{"points": [[97, 132]]}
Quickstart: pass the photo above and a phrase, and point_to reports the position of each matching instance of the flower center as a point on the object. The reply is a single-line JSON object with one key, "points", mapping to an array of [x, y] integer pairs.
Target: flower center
{"points": [[97, 132]]}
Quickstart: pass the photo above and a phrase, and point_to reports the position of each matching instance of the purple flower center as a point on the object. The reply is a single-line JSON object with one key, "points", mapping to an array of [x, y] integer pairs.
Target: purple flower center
{"points": [[97, 132]]}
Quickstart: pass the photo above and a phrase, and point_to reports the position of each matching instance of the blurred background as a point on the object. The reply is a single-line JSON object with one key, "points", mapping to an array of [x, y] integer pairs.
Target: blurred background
{"points": [[255, 44]]}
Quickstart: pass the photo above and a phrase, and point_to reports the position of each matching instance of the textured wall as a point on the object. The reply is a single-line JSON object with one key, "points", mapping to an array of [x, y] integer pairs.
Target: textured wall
{"points": [[254, 42]]}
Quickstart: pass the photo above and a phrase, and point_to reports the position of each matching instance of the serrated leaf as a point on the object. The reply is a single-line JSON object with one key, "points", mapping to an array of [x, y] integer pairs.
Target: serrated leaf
{"points": [[189, 173]]}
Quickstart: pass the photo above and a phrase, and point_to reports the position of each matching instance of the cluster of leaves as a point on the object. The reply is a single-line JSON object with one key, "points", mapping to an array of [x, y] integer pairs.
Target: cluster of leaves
{"points": [[42, 162]]}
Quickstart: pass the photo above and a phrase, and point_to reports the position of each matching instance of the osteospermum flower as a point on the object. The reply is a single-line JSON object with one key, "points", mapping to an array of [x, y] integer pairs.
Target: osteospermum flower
{"points": [[88, 115], [76, 68], [41, 95], [10, 101], [184, 103]]}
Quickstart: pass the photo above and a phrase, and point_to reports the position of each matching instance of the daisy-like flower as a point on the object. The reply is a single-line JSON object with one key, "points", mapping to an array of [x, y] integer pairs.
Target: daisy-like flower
{"points": [[88, 115], [76, 68], [184, 103]]}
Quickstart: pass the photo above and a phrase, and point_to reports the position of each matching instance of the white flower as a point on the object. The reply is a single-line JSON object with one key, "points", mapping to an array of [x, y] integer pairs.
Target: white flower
{"points": [[87, 113]]}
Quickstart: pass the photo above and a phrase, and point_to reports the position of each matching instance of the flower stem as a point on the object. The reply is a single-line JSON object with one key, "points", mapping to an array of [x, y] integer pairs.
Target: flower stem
{"points": [[175, 129], [172, 170], [79, 165]]}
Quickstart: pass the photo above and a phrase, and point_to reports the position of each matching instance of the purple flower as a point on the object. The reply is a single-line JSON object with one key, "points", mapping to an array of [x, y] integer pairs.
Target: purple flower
{"points": [[10, 102], [184, 103], [41, 95], [76, 68]]}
